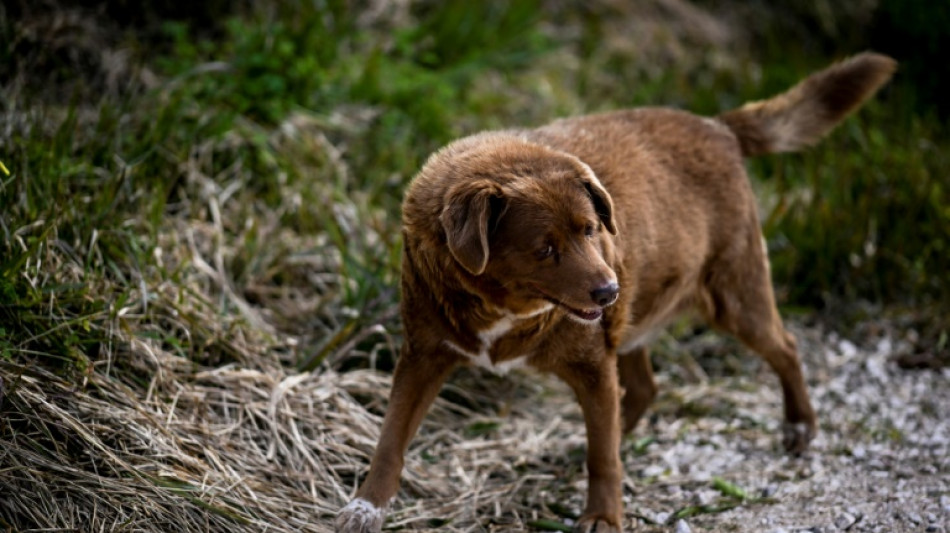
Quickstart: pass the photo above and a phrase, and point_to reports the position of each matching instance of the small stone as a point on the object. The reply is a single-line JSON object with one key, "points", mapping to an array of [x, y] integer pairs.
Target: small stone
{"points": [[904, 473], [847, 348], [681, 527], [662, 517], [930, 517], [845, 520], [914, 517], [705, 497], [934, 529]]}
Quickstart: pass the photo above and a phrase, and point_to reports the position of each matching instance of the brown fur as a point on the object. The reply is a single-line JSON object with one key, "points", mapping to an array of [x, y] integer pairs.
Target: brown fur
{"points": [[571, 244]]}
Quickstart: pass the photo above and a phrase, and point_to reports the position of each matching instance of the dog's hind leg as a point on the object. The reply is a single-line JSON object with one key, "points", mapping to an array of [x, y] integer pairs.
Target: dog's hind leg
{"points": [[779, 349], [743, 304], [639, 388]]}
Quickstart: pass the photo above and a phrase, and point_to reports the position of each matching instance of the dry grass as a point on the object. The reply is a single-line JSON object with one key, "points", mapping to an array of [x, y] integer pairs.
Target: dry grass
{"points": [[249, 447]]}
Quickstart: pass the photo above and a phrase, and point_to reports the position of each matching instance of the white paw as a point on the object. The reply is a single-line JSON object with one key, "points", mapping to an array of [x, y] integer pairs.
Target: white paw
{"points": [[360, 516]]}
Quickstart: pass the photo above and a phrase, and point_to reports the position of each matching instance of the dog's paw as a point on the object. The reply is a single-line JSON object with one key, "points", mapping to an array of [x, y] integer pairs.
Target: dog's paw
{"points": [[797, 435], [360, 516], [593, 524]]}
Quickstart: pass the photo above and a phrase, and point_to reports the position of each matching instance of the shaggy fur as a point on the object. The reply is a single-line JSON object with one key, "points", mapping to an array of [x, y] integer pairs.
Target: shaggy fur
{"points": [[566, 246]]}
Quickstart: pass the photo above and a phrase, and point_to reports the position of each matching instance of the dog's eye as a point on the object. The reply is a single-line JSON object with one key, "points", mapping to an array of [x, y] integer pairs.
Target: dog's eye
{"points": [[589, 230], [546, 251]]}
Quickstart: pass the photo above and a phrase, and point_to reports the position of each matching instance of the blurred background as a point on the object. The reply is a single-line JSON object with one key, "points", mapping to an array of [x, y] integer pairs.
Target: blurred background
{"points": [[110, 109]]}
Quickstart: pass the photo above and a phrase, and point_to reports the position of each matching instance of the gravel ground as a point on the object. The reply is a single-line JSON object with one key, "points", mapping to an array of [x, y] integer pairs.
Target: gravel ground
{"points": [[880, 463], [709, 458]]}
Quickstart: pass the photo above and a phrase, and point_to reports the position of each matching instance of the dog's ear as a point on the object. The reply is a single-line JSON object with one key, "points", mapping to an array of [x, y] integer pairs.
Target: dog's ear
{"points": [[603, 203], [469, 210]]}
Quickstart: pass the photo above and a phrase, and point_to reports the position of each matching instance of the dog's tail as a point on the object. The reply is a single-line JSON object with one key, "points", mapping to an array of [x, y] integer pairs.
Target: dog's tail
{"points": [[800, 116]]}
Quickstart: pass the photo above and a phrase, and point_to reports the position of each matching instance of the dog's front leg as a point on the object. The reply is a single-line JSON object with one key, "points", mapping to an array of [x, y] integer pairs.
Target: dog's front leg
{"points": [[416, 383], [595, 383]]}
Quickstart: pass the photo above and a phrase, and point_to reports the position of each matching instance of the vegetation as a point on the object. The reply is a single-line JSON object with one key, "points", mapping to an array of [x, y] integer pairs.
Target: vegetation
{"points": [[224, 187]]}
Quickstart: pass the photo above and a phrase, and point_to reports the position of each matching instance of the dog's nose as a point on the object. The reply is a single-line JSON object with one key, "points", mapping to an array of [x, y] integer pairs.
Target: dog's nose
{"points": [[606, 295]]}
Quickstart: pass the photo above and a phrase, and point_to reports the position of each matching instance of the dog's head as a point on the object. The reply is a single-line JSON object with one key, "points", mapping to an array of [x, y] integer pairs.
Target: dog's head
{"points": [[539, 229]]}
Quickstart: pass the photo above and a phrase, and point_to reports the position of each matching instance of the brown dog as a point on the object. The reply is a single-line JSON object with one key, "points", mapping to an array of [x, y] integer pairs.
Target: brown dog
{"points": [[565, 246]]}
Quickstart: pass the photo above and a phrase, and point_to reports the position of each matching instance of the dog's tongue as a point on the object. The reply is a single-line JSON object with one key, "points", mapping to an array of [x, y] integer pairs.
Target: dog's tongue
{"points": [[590, 314]]}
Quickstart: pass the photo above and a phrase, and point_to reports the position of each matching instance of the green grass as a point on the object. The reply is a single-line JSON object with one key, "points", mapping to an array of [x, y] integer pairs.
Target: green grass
{"points": [[259, 179], [865, 214], [99, 187]]}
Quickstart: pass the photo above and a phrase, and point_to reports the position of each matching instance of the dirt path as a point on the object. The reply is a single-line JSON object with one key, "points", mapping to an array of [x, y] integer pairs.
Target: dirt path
{"points": [[881, 462]]}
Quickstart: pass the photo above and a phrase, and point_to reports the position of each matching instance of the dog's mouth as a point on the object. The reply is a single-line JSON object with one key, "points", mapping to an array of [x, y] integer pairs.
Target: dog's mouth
{"points": [[588, 315], [585, 315]]}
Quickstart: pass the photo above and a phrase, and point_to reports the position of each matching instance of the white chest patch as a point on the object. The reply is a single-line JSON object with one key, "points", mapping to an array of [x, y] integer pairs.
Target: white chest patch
{"points": [[492, 333], [496, 331]]}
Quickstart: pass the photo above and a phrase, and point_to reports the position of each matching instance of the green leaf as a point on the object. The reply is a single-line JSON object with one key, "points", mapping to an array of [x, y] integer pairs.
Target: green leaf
{"points": [[728, 489], [641, 444]]}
